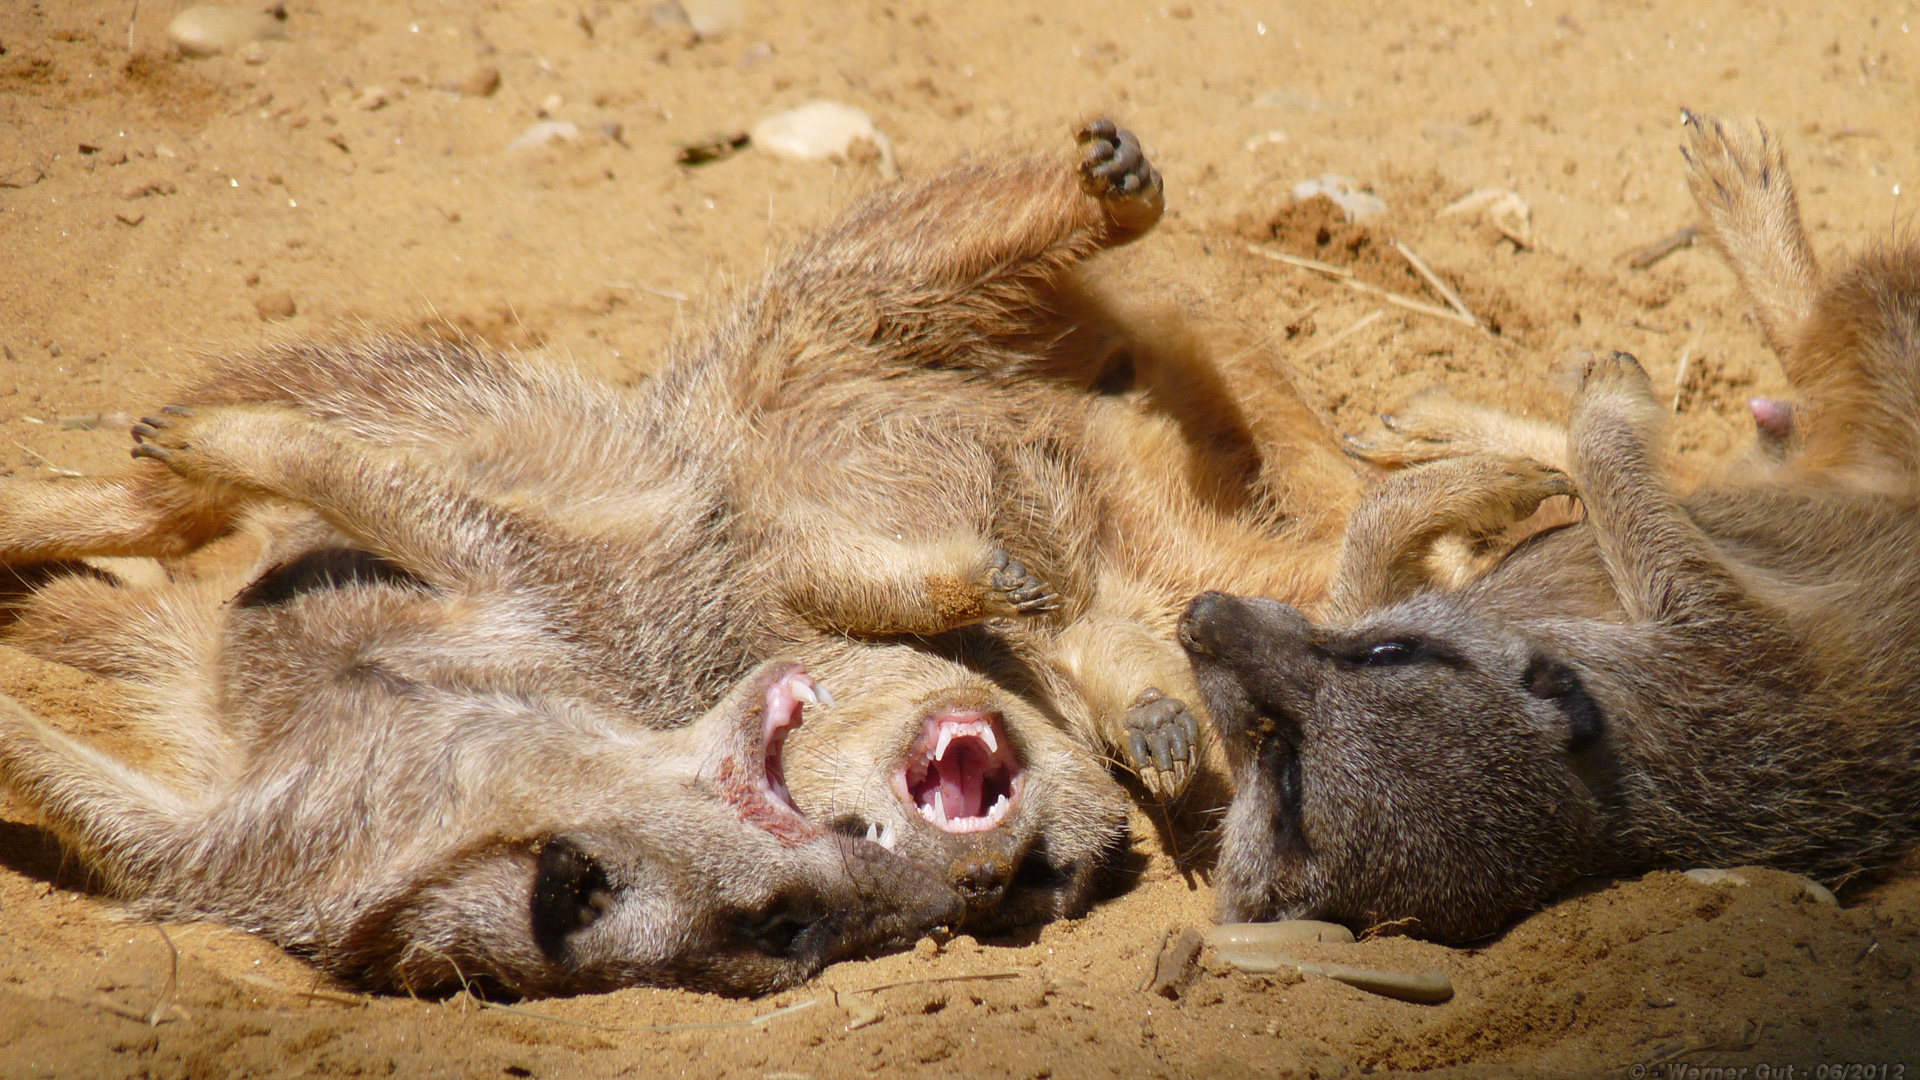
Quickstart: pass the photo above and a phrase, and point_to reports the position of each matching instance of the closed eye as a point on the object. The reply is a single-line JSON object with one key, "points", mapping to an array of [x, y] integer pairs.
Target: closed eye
{"points": [[1391, 653]]}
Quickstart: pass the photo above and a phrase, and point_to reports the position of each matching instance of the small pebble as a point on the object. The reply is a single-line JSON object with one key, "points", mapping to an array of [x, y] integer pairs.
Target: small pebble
{"points": [[824, 131], [667, 13], [549, 105], [275, 305], [712, 18], [1504, 210], [208, 30], [1346, 194], [544, 132], [479, 82]]}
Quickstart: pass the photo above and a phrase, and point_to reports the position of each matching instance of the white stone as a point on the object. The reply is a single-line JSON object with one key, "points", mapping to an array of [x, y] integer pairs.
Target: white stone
{"points": [[1345, 192], [823, 131], [208, 30]]}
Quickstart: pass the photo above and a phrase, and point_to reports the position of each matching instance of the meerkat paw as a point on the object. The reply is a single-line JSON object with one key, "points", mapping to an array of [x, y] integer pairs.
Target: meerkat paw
{"points": [[1164, 738], [1116, 171], [1430, 426], [1614, 374], [167, 438], [1729, 175], [1433, 427], [1015, 590]]}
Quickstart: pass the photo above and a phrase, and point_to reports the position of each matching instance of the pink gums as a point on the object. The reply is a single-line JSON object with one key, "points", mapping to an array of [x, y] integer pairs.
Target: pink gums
{"points": [[961, 775]]}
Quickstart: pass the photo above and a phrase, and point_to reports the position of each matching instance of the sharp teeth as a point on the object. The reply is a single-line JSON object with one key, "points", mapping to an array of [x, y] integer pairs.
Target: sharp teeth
{"points": [[940, 807], [826, 698], [999, 808], [873, 831], [803, 692], [886, 836], [993, 744], [946, 736], [927, 812]]}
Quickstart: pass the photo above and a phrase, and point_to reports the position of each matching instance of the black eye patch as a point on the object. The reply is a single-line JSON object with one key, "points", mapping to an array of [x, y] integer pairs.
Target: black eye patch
{"points": [[1560, 684], [570, 892]]}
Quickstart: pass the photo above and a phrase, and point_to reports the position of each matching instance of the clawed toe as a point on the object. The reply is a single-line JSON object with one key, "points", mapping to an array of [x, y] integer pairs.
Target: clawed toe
{"points": [[1163, 736], [1116, 170], [1018, 586]]}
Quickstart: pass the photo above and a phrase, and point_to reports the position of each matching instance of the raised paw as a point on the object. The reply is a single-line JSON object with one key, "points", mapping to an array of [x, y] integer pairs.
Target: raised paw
{"points": [[1726, 170], [1164, 738], [1611, 373], [1016, 587], [1116, 171]]}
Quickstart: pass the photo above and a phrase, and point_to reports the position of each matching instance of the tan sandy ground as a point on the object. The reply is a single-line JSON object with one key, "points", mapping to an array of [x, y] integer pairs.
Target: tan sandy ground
{"points": [[147, 209]]}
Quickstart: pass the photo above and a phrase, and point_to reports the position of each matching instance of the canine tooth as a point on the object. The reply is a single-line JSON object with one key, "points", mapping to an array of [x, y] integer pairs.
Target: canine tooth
{"points": [[940, 807], [946, 736], [873, 831], [986, 733], [826, 696], [886, 836], [803, 692]]}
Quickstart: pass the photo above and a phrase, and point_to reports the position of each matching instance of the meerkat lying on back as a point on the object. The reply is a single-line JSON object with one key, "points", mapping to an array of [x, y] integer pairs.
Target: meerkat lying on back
{"points": [[398, 766], [909, 488], [1721, 678]]}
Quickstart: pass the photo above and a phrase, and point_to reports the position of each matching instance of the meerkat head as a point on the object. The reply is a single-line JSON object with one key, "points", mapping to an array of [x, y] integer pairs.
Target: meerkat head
{"points": [[649, 857], [1419, 764], [939, 762]]}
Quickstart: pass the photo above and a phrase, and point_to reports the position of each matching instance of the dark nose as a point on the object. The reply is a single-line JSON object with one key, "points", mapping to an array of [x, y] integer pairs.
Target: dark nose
{"points": [[981, 877], [1198, 621]]}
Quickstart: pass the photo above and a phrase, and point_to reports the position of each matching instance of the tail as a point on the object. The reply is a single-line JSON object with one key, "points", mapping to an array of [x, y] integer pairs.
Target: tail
{"points": [[123, 823]]}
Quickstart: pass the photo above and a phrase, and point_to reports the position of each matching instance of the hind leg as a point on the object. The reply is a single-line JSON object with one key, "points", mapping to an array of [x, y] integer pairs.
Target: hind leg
{"points": [[1741, 184], [1383, 557], [147, 512]]}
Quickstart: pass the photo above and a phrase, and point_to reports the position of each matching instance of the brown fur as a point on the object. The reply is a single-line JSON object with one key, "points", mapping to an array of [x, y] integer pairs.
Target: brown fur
{"points": [[1722, 678], [885, 460], [406, 777]]}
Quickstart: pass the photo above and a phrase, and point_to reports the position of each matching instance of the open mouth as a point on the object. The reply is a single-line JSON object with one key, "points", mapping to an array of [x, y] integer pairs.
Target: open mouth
{"points": [[961, 775], [787, 699]]}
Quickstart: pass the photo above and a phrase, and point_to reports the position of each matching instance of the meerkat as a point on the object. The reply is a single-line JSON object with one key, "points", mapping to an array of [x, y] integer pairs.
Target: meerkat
{"points": [[1724, 677], [398, 765], [919, 495]]}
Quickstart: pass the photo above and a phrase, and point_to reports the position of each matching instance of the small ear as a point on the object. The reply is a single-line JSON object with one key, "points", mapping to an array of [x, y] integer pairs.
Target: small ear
{"points": [[569, 892], [1554, 681]]}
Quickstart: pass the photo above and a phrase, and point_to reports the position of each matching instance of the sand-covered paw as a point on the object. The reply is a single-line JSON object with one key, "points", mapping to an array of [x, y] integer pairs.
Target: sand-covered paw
{"points": [[1018, 589]]}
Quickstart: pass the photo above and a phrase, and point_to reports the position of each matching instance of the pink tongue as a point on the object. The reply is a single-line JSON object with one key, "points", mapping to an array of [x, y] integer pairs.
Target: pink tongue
{"points": [[960, 782]]}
